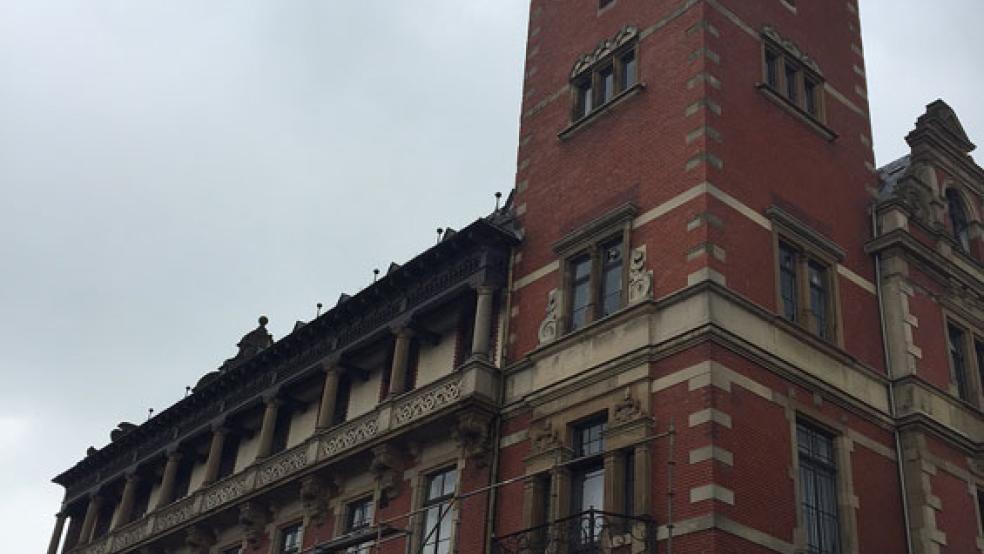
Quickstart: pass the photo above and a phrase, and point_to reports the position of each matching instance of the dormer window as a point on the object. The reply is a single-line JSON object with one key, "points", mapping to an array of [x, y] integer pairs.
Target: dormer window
{"points": [[959, 224]]}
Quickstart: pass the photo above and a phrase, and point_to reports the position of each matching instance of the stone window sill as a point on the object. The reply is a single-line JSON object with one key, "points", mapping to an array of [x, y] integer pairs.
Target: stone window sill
{"points": [[600, 111], [799, 113]]}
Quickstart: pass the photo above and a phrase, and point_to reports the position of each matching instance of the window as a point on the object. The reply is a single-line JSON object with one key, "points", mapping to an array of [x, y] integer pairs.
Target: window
{"points": [[281, 431], [792, 77], [343, 399], [602, 4], [237, 549], [230, 451], [979, 351], [588, 479], [958, 360], [818, 489], [437, 511], [959, 225], [980, 509], [598, 84], [596, 279], [359, 517], [806, 290], [290, 539]]}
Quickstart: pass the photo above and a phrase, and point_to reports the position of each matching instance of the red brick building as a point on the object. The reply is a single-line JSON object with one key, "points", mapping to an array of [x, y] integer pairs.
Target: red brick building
{"points": [[703, 322]]}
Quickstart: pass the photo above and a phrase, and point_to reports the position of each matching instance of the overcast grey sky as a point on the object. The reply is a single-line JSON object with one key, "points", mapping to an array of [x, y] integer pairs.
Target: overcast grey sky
{"points": [[172, 169]]}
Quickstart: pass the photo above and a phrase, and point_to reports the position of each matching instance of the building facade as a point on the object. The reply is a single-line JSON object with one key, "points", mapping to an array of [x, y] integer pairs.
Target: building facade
{"points": [[702, 322]]}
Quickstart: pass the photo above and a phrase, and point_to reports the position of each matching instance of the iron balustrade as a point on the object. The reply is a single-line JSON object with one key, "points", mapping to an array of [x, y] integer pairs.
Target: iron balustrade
{"points": [[588, 532]]}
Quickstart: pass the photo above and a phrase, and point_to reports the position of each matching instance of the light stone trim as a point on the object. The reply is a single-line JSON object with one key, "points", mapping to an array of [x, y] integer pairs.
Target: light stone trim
{"points": [[716, 521], [514, 438], [712, 492], [858, 280], [712, 452], [708, 416], [706, 274], [536, 275]]}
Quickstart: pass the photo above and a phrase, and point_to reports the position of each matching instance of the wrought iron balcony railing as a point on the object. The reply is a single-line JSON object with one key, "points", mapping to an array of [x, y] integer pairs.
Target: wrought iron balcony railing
{"points": [[589, 532]]}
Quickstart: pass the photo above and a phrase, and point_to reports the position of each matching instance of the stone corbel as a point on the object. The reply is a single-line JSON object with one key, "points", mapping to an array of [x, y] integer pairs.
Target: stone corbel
{"points": [[200, 539], [627, 410], [384, 468], [253, 518], [640, 278], [472, 436], [543, 438], [316, 492], [549, 328]]}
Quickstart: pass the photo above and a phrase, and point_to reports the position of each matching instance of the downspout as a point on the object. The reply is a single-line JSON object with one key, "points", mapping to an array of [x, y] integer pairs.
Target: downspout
{"points": [[497, 427], [891, 388]]}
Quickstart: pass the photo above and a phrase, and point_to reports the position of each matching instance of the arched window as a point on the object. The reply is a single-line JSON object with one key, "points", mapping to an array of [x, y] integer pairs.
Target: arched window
{"points": [[958, 219]]}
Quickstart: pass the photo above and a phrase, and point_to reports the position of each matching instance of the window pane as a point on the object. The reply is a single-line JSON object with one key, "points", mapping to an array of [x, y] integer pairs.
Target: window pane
{"points": [[958, 360], [792, 84], [818, 489], [290, 540], [580, 292], [771, 69], [811, 91], [606, 79], [958, 219], [585, 98], [819, 298], [611, 279], [628, 70], [787, 281], [589, 439]]}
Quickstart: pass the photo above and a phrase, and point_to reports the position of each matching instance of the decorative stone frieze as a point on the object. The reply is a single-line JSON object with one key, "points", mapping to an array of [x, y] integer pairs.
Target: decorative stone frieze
{"points": [[550, 327], [129, 536], [283, 465], [253, 518], [627, 410], [792, 48], [350, 436], [176, 514], [228, 490], [428, 402], [544, 438], [608, 46], [640, 278], [385, 469], [316, 492]]}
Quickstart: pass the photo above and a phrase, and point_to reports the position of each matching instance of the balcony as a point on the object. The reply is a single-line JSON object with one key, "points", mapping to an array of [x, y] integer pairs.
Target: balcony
{"points": [[590, 532], [474, 382]]}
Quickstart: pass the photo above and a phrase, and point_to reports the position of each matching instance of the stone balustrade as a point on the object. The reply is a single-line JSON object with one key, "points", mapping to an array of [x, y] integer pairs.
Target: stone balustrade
{"points": [[477, 380]]}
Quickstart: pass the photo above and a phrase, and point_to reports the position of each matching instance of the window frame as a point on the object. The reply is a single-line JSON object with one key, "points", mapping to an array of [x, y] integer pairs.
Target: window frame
{"points": [[972, 348], [956, 204], [282, 535], [423, 542], [795, 93], [819, 466], [592, 76], [811, 250], [349, 526]]}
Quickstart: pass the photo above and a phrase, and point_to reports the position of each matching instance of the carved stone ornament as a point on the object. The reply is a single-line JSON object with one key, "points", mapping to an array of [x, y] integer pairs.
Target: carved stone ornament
{"points": [[604, 48], [543, 438], [316, 492], [640, 278], [200, 539], [472, 436], [551, 323], [384, 468], [253, 518], [791, 48], [628, 409]]}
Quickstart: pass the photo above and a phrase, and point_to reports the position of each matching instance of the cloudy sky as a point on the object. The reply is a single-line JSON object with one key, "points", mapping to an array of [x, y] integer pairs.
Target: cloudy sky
{"points": [[172, 169]]}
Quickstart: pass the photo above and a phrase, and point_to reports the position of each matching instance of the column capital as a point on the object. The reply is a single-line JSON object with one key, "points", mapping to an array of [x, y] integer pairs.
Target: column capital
{"points": [[273, 398], [403, 331], [174, 453], [485, 289]]}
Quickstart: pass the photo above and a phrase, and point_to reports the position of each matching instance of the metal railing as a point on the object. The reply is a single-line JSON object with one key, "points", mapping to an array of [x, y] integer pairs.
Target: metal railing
{"points": [[589, 532]]}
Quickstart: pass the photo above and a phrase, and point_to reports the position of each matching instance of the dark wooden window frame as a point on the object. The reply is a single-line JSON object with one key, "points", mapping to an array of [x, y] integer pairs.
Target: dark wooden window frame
{"points": [[972, 350], [591, 78], [805, 96]]}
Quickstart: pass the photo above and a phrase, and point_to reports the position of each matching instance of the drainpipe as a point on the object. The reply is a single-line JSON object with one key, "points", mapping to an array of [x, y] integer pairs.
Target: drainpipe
{"points": [[891, 387]]}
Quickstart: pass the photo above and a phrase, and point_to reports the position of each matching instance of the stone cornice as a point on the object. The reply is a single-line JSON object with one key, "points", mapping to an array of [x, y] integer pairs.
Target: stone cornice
{"points": [[940, 267], [476, 255]]}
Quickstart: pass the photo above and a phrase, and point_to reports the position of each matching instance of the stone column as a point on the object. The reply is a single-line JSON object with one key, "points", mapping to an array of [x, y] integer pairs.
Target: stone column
{"points": [[269, 425], [401, 357], [57, 533], [642, 499], [125, 513], [614, 483], [89, 523], [215, 455], [329, 397], [483, 322], [169, 480]]}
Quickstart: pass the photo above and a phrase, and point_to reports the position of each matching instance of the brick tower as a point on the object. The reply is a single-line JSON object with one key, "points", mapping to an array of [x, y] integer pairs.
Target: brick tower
{"points": [[693, 189]]}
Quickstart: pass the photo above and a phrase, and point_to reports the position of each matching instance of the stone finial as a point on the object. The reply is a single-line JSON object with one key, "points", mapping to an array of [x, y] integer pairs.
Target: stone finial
{"points": [[123, 429], [549, 328], [250, 345]]}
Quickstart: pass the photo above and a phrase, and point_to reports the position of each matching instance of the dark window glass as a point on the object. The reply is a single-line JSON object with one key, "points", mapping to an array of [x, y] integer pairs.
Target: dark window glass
{"points": [[142, 503], [437, 513], [290, 540], [182, 481], [604, 3], [792, 83], [979, 350], [360, 516], [233, 550], [230, 451], [611, 278], [958, 219], [606, 80], [281, 431], [818, 483], [819, 298], [589, 438], [980, 508], [787, 281], [629, 70], [342, 400], [772, 69], [958, 360], [585, 98], [580, 291], [629, 490], [810, 92]]}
